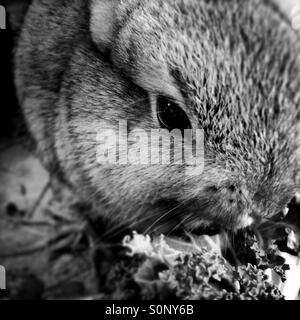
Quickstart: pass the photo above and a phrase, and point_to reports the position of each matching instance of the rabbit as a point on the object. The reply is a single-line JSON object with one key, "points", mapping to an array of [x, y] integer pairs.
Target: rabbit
{"points": [[225, 67]]}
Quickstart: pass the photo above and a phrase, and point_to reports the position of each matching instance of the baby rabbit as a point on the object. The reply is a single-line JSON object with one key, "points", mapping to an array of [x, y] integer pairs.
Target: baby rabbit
{"points": [[226, 67]]}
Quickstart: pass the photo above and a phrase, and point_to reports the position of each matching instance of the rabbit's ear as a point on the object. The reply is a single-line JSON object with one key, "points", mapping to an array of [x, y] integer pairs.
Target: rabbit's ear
{"points": [[102, 22]]}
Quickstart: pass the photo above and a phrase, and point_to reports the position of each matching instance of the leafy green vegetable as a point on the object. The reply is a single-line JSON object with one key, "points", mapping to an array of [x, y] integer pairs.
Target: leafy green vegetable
{"points": [[155, 270]]}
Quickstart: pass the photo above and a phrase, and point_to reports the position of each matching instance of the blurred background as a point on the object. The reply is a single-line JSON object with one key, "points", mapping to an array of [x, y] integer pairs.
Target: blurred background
{"points": [[42, 245]]}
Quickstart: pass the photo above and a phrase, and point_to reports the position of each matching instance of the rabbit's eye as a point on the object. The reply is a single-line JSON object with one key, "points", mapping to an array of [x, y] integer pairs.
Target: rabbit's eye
{"points": [[171, 116]]}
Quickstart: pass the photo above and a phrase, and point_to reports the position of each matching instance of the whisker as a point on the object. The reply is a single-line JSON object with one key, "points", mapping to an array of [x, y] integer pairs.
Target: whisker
{"points": [[163, 216], [177, 225]]}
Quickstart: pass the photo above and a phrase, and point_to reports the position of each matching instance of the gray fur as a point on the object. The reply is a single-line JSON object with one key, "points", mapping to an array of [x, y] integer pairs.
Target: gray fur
{"points": [[232, 65]]}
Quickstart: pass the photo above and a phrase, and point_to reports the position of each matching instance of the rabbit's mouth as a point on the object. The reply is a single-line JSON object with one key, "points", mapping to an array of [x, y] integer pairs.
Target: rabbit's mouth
{"points": [[183, 232], [176, 219], [171, 217]]}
